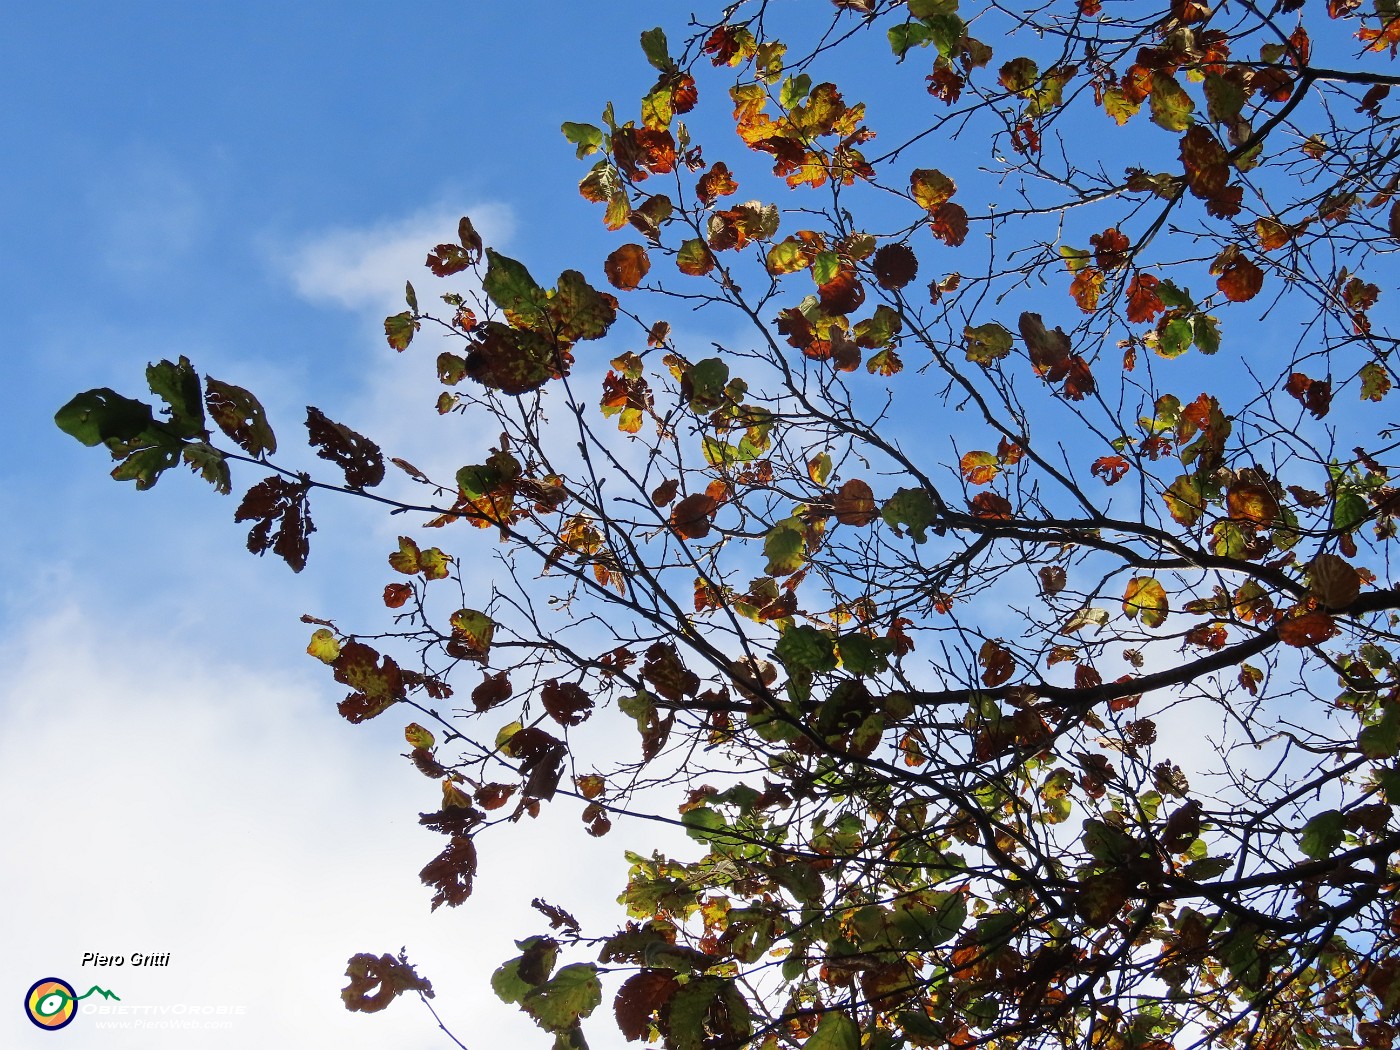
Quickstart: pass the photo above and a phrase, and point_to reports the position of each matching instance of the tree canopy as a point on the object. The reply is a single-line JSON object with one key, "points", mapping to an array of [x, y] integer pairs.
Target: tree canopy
{"points": [[978, 537]]}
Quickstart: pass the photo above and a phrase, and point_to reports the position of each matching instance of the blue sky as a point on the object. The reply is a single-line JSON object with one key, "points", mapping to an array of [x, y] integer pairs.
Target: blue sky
{"points": [[249, 184]]}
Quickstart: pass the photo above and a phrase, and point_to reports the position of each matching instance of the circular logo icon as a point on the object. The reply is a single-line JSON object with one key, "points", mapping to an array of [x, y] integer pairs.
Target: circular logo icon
{"points": [[51, 1003]]}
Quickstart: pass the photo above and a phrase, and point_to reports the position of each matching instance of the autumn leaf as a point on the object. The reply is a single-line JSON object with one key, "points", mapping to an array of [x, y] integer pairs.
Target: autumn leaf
{"points": [[694, 258], [353, 453], [691, 517], [391, 976], [566, 702], [277, 501], [1308, 629], [979, 468], [854, 504], [239, 415], [895, 266], [627, 266], [1145, 597]]}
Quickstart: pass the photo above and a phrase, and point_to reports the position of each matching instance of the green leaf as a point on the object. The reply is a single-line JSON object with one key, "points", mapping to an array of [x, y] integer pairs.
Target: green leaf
{"points": [[657, 52], [927, 919], [785, 546], [210, 464], [707, 380], [986, 343], [825, 266], [862, 655], [806, 648], [1350, 511], [586, 137], [909, 35], [1171, 105], [103, 415], [700, 823], [1382, 740], [1108, 844], [511, 287], [178, 386], [572, 993], [911, 508], [835, 1032], [879, 329], [399, 329], [1323, 834], [474, 628]]}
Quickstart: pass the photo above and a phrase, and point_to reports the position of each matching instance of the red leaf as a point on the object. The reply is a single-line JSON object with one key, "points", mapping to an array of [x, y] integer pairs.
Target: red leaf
{"points": [[1143, 301], [396, 594], [1110, 468]]}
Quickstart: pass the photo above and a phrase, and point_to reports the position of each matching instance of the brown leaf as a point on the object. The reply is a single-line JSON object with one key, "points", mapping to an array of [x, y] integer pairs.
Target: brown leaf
{"points": [[665, 492], [392, 976], [277, 500], [1308, 629], [641, 999], [1240, 280], [447, 259], [1333, 581], [541, 761], [450, 873], [691, 517], [355, 454], [843, 294], [997, 663], [566, 702], [949, 224], [397, 594], [895, 266], [854, 504], [494, 796], [493, 691], [716, 183], [667, 674], [627, 266]]}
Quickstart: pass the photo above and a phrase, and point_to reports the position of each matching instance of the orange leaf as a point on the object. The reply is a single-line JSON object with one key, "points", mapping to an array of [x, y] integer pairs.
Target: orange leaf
{"points": [[979, 468], [1110, 468], [1240, 280], [1308, 629], [1143, 301], [1086, 288], [626, 267]]}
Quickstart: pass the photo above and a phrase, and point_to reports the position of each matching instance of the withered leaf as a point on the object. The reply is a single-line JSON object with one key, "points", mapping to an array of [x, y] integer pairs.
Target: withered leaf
{"points": [[281, 502], [451, 872], [391, 976], [352, 452]]}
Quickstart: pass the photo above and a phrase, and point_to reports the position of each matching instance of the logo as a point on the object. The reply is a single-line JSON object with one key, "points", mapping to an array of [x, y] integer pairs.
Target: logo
{"points": [[51, 1003]]}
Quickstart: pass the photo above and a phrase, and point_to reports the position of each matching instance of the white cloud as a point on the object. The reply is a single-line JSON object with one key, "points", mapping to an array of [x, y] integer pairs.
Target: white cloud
{"points": [[165, 801], [364, 268]]}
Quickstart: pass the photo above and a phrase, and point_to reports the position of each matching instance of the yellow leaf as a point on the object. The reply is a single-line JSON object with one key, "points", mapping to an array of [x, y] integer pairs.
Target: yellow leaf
{"points": [[324, 646], [1145, 596]]}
